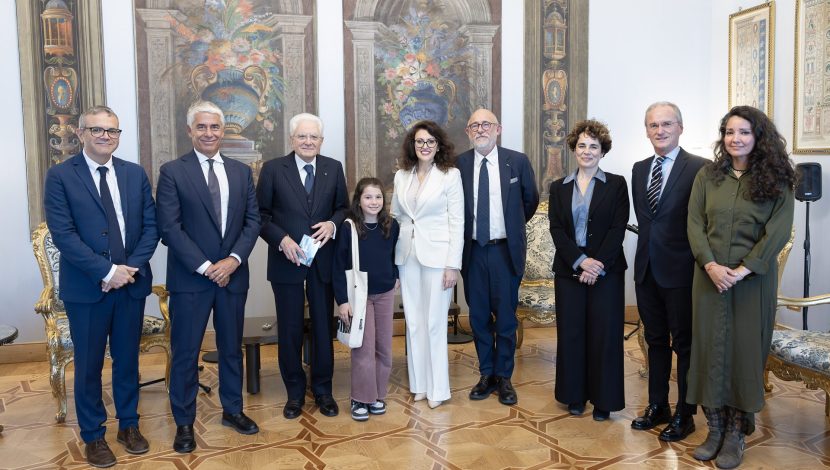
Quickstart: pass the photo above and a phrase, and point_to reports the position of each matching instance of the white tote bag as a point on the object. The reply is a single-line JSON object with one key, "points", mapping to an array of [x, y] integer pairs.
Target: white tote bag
{"points": [[357, 284]]}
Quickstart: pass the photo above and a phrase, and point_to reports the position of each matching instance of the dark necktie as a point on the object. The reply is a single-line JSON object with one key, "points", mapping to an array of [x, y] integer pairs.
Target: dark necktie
{"points": [[483, 208], [213, 187], [116, 245], [653, 193], [309, 178]]}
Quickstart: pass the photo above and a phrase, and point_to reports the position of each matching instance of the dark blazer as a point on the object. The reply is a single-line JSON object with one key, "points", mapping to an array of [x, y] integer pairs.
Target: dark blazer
{"points": [[78, 224], [284, 208], [607, 218], [191, 230], [519, 199], [662, 240]]}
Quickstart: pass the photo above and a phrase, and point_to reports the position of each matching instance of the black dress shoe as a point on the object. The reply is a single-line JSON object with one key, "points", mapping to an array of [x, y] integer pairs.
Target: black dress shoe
{"points": [[601, 415], [328, 407], [652, 416], [485, 386], [240, 422], [507, 395], [576, 409], [185, 441], [680, 427], [292, 409], [98, 454]]}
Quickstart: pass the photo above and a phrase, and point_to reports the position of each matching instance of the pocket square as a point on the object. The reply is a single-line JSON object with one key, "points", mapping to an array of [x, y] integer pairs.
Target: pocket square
{"points": [[514, 180]]}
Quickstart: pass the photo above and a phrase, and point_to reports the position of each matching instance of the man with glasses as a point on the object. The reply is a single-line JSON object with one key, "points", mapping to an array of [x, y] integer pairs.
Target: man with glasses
{"points": [[303, 194], [500, 196], [102, 218], [209, 220], [663, 267]]}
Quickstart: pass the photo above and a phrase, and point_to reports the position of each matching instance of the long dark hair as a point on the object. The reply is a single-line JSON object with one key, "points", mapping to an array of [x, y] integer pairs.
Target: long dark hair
{"points": [[443, 156], [356, 213], [770, 169]]}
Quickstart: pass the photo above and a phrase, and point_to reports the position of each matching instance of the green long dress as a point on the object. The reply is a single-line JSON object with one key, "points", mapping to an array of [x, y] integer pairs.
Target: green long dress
{"points": [[732, 331]]}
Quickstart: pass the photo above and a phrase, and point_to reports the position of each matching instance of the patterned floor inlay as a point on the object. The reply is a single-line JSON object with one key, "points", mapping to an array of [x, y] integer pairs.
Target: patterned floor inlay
{"points": [[538, 433]]}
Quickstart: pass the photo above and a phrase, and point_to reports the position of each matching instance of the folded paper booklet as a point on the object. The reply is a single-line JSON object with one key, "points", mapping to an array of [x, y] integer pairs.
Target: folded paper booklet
{"points": [[309, 247]]}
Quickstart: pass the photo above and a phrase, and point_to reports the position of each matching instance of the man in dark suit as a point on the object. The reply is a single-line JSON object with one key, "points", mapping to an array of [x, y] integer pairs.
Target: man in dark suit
{"points": [[209, 220], [303, 193], [663, 267], [101, 215], [495, 246]]}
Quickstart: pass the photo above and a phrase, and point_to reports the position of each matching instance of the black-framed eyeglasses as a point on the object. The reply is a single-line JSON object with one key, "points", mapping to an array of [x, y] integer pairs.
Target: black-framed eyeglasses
{"points": [[429, 143], [99, 132], [485, 126]]}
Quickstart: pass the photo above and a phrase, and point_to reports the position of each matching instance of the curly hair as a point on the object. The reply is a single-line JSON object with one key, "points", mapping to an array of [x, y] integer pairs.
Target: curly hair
{"points": [[593, 129], [356, 213], [770, 169], [444, 155]]}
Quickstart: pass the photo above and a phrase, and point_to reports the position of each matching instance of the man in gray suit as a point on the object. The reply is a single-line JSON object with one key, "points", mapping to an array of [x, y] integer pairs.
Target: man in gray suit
{"points": [[663, 267]]}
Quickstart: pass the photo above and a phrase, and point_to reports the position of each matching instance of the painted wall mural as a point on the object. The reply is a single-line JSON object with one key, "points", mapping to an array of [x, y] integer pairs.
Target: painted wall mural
{"points": [[410, 60], [253, 58]]}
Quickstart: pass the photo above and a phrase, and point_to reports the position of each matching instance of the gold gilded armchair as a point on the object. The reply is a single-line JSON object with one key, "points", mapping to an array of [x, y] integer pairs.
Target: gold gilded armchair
{"points": [[802, 355], [59, 346], [537, 301]]}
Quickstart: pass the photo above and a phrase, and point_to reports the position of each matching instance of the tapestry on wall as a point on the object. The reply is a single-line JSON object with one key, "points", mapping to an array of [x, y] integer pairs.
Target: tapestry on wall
{"points": [[61, 74], [410, 60], [253, 58], [556, 83]]}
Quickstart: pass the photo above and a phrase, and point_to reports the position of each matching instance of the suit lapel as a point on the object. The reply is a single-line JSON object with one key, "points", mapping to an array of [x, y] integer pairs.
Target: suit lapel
{"points": [[680, 163], [467, 179], [567, 201], [234, 192], [504, 176], [431, 187], [82, 170], [600, 191], [322, 177], [193, 170], [123, 186], [292, 177], [407, 182]]}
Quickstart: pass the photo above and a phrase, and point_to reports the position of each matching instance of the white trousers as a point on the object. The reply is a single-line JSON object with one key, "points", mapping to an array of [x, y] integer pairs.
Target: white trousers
{"points": [[425, 304]]}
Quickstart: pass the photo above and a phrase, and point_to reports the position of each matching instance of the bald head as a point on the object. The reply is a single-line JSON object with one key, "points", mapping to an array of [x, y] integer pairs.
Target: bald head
{"points": [[483, 129]]}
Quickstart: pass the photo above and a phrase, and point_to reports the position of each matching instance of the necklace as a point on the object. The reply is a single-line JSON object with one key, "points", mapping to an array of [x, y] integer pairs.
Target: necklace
{"points": [[370, 228]]}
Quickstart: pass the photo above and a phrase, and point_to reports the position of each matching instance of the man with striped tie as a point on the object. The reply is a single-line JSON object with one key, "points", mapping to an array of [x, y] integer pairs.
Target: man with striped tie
{"points": [[663, 267]]}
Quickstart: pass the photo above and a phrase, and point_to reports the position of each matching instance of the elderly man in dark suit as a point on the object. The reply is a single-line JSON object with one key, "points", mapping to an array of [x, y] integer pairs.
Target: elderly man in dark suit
{"points": [[663, 267], [500, 196], [303, 193], [208, 218], [101, 215]]}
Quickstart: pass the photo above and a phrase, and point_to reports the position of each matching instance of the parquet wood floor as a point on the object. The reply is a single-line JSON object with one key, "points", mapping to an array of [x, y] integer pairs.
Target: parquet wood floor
{"points": [[538, 433]]}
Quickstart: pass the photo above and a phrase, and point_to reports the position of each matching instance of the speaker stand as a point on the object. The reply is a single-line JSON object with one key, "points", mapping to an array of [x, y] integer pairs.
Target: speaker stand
{"points": [[806, 262]]}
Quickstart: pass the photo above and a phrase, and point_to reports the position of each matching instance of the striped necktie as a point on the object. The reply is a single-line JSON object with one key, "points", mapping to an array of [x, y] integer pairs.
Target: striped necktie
{"points": [[653, 193]]}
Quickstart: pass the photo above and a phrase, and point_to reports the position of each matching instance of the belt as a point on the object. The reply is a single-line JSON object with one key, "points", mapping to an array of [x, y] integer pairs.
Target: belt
{"points": [[497, 241]]}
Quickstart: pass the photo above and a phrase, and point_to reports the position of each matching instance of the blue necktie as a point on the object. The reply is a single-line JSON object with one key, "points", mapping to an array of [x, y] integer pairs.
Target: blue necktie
{"points": [[309, 178], [655, 184], [483, 208], [213, 188], [116, 246]]}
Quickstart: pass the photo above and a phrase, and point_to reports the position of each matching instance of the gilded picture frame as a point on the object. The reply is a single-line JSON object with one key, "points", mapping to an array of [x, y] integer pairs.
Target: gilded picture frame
{"points": [[812, 84], [751, 57]]}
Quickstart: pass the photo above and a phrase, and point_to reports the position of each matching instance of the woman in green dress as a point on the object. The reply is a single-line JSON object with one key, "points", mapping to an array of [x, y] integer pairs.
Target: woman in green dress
{"points": [[740, 216]]}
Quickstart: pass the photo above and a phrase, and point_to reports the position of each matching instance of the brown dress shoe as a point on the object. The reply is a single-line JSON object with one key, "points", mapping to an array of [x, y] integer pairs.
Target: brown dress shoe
{"points": [[133, 441], [98, 454]]}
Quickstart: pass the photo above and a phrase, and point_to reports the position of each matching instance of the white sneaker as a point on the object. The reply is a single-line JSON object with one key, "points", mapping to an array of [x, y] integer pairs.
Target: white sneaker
{"points": [[360, 411], [378, 407], [420, 396]]}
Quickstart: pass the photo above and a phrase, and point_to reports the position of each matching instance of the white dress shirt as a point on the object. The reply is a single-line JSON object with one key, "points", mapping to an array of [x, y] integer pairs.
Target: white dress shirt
{"points": [[112, 182], [224, 190], [497, 230], [301, 170], [668, 163]]}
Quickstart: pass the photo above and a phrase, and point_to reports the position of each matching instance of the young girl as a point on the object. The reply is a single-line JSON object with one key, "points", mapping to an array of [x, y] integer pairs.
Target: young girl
{"points": [[377, 233]]}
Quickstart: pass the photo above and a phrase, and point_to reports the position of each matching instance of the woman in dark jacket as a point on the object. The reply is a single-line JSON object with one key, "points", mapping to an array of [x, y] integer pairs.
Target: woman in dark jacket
{"points": [[588, 214]]}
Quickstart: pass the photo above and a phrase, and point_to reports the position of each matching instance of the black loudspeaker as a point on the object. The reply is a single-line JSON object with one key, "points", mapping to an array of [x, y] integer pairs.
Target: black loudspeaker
{"points": [[809, 182]]}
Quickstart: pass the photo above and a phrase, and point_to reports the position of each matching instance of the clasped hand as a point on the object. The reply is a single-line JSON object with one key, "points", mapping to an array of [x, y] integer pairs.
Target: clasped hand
{"points": [[220, 271], [123, 275], [591, 269], [723, 277]]}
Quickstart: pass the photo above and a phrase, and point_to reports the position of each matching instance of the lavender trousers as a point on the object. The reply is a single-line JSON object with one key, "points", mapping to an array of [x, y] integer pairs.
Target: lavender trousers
{"points": [[372, 362]]}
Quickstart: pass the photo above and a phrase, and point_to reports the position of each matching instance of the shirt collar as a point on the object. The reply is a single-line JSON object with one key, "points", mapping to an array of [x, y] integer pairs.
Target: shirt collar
{"points": [[93, 165], [600, 175], [203, 158], [302, 163], [492, 157], [671, 155]]}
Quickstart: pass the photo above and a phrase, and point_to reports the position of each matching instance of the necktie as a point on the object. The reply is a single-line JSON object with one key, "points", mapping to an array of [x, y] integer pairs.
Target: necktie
{"points": [[213, 187], [116, 245], [309, 178], [653, 193], [483, 208]]}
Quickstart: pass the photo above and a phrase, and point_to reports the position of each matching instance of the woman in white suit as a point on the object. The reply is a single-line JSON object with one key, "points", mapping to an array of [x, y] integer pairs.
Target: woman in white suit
{"points": [[428, 202]]}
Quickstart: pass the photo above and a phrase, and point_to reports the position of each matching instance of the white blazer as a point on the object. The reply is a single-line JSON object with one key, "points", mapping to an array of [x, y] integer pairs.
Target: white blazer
{"points": [[436, 229]]}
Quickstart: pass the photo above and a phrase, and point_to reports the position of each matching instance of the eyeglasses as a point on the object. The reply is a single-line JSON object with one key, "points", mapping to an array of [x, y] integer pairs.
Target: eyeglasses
{"points": [[311, 137], [653, 126], [485, 126], [99, 132], [429, 143]]}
